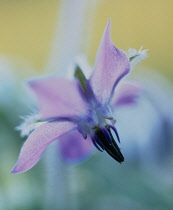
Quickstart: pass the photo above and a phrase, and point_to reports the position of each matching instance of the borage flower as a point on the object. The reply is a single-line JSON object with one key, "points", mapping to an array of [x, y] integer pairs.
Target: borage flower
{"points": [[73, 110]]}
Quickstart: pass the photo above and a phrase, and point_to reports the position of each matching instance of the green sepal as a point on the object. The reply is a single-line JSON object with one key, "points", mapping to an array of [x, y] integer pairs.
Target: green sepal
{"points": [[131, 58], [78, 74]]}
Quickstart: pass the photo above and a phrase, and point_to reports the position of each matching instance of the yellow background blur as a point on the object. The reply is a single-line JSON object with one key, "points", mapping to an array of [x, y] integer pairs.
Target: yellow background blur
{"points": [[28, 26]]}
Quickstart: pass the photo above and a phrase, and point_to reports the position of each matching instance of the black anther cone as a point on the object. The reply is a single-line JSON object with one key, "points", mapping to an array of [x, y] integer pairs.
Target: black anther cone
{"points": [[102, 142]]}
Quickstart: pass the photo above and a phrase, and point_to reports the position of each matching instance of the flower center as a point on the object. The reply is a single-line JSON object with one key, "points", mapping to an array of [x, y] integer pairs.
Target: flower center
{"points": [[99, 125]]}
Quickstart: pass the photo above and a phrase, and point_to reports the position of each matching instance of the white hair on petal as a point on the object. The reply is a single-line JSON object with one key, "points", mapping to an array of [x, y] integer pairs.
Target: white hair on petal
{"points": [[30, 123]]}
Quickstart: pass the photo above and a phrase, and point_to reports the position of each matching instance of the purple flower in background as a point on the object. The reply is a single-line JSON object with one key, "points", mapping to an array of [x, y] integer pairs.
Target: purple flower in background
{"points": [[79, 112]]}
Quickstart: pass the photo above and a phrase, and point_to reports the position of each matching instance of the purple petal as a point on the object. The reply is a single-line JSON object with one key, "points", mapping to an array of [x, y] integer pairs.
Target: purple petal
{"points": [[111, 65], [38, 141], [126, 94], [74, 148], [58, 97]]}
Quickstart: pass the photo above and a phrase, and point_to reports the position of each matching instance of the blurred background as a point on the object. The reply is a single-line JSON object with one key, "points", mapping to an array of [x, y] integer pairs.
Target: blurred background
{"points": [[43, 37]]}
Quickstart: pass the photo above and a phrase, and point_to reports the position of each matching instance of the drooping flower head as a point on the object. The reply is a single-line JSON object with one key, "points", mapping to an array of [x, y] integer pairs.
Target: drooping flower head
{"points": [[74, 110]]}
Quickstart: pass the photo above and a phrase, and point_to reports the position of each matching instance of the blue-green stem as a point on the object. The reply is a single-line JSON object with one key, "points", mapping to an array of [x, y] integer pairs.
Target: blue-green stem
{"points": [[70, 37]]}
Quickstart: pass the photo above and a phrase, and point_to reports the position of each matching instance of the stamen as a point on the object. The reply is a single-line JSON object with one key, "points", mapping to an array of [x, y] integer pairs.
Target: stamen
{"points": [[95, 144], [109, 118], [97, 140], [95, 127], [107, 135], [115, 131]]}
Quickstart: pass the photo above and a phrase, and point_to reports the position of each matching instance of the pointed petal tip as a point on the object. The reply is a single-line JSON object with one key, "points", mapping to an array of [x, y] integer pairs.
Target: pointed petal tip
{"points": [[12, 171], [111, 65], [108, 27], [15, 171], [30, 83], [109, 22], [33, 81], [18, 170], [38, 141]]}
